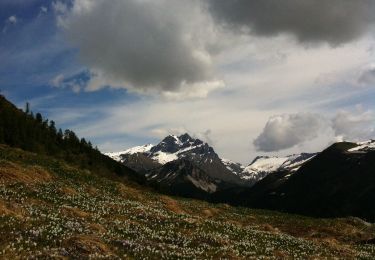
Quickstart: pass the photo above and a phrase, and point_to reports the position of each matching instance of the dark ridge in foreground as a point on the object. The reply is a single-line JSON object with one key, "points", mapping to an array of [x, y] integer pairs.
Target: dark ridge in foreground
{"points": [[336, 183]]}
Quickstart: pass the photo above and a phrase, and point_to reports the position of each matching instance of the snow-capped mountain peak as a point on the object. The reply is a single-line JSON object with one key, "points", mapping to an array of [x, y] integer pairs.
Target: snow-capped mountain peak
{"points": [[185, 147], [169, 149], [176, 144]]}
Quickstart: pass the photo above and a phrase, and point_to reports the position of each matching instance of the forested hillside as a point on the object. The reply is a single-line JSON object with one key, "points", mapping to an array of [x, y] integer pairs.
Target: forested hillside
{"points": [[32, 132]]}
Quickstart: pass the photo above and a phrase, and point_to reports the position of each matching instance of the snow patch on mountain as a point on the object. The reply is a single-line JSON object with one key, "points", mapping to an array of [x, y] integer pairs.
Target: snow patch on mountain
{"points": [[202, 184], [364, 146], [117, 156], [293, 164], [264, 165], [234, 167], [164, 158]]}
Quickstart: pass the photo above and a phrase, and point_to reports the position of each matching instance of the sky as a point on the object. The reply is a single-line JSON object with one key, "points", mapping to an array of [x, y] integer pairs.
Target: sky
{"points": [[248, 77]]}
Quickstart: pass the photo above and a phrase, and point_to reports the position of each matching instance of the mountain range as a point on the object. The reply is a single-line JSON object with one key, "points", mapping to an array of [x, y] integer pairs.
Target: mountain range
{"points": [[338, 181], [176, 160]]}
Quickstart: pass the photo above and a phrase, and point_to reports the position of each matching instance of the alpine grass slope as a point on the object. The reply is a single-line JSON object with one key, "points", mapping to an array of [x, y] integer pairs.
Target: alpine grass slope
{"points": [[50, 209]]}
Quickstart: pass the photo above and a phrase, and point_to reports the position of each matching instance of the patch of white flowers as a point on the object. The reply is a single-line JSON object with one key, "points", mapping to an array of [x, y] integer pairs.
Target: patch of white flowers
{"points": [[129, 227]]}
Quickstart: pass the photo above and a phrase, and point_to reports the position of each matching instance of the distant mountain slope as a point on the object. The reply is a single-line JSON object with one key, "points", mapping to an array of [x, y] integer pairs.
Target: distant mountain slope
{"points": [[183, 178], [187, 156], [262, 166], [340, 181]]}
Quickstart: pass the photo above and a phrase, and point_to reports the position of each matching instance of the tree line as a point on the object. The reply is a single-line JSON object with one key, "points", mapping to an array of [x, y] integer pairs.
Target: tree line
{"points": [[32, 132]]}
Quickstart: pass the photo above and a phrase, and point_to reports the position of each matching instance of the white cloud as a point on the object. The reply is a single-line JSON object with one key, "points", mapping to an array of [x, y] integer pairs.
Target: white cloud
{"points": [[145, 46], [354, 126], [57, 81], [287, 130], [75, 83], [12, 19], [43, 10], [59, 7], [196, 90]]}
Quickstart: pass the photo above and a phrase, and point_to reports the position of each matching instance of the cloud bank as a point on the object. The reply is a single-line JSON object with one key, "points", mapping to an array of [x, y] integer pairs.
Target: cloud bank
{"points": [[310, 21], [170, 46], [144, 45], [288, 130], [285, 131], [356, 126]]}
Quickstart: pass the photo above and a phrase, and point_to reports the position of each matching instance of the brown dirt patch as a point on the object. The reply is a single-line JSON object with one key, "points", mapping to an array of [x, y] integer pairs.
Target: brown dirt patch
{"points": [[210, 212], [172, 205], [92, 191], [226, 206], [74, 212], [36, 202], [191, 220], [68, 191], [129, 192], [344, 250], [97, 228], [279, 254], [269, 228], [14, 173], [86, 245], [13, 210]]}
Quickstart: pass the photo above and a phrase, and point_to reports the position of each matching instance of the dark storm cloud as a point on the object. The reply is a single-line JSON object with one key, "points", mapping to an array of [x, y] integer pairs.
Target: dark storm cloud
{"points": [[146, 44], [168, 45], [310, 21]]}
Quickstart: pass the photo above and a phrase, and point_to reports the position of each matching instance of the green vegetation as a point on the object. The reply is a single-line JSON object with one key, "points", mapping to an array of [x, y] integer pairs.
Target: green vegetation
{"points": [[49, 208]]}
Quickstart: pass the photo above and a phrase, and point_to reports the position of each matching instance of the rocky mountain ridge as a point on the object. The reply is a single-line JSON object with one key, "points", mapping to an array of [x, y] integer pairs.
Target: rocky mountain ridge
{"points": [[155, 160]]}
